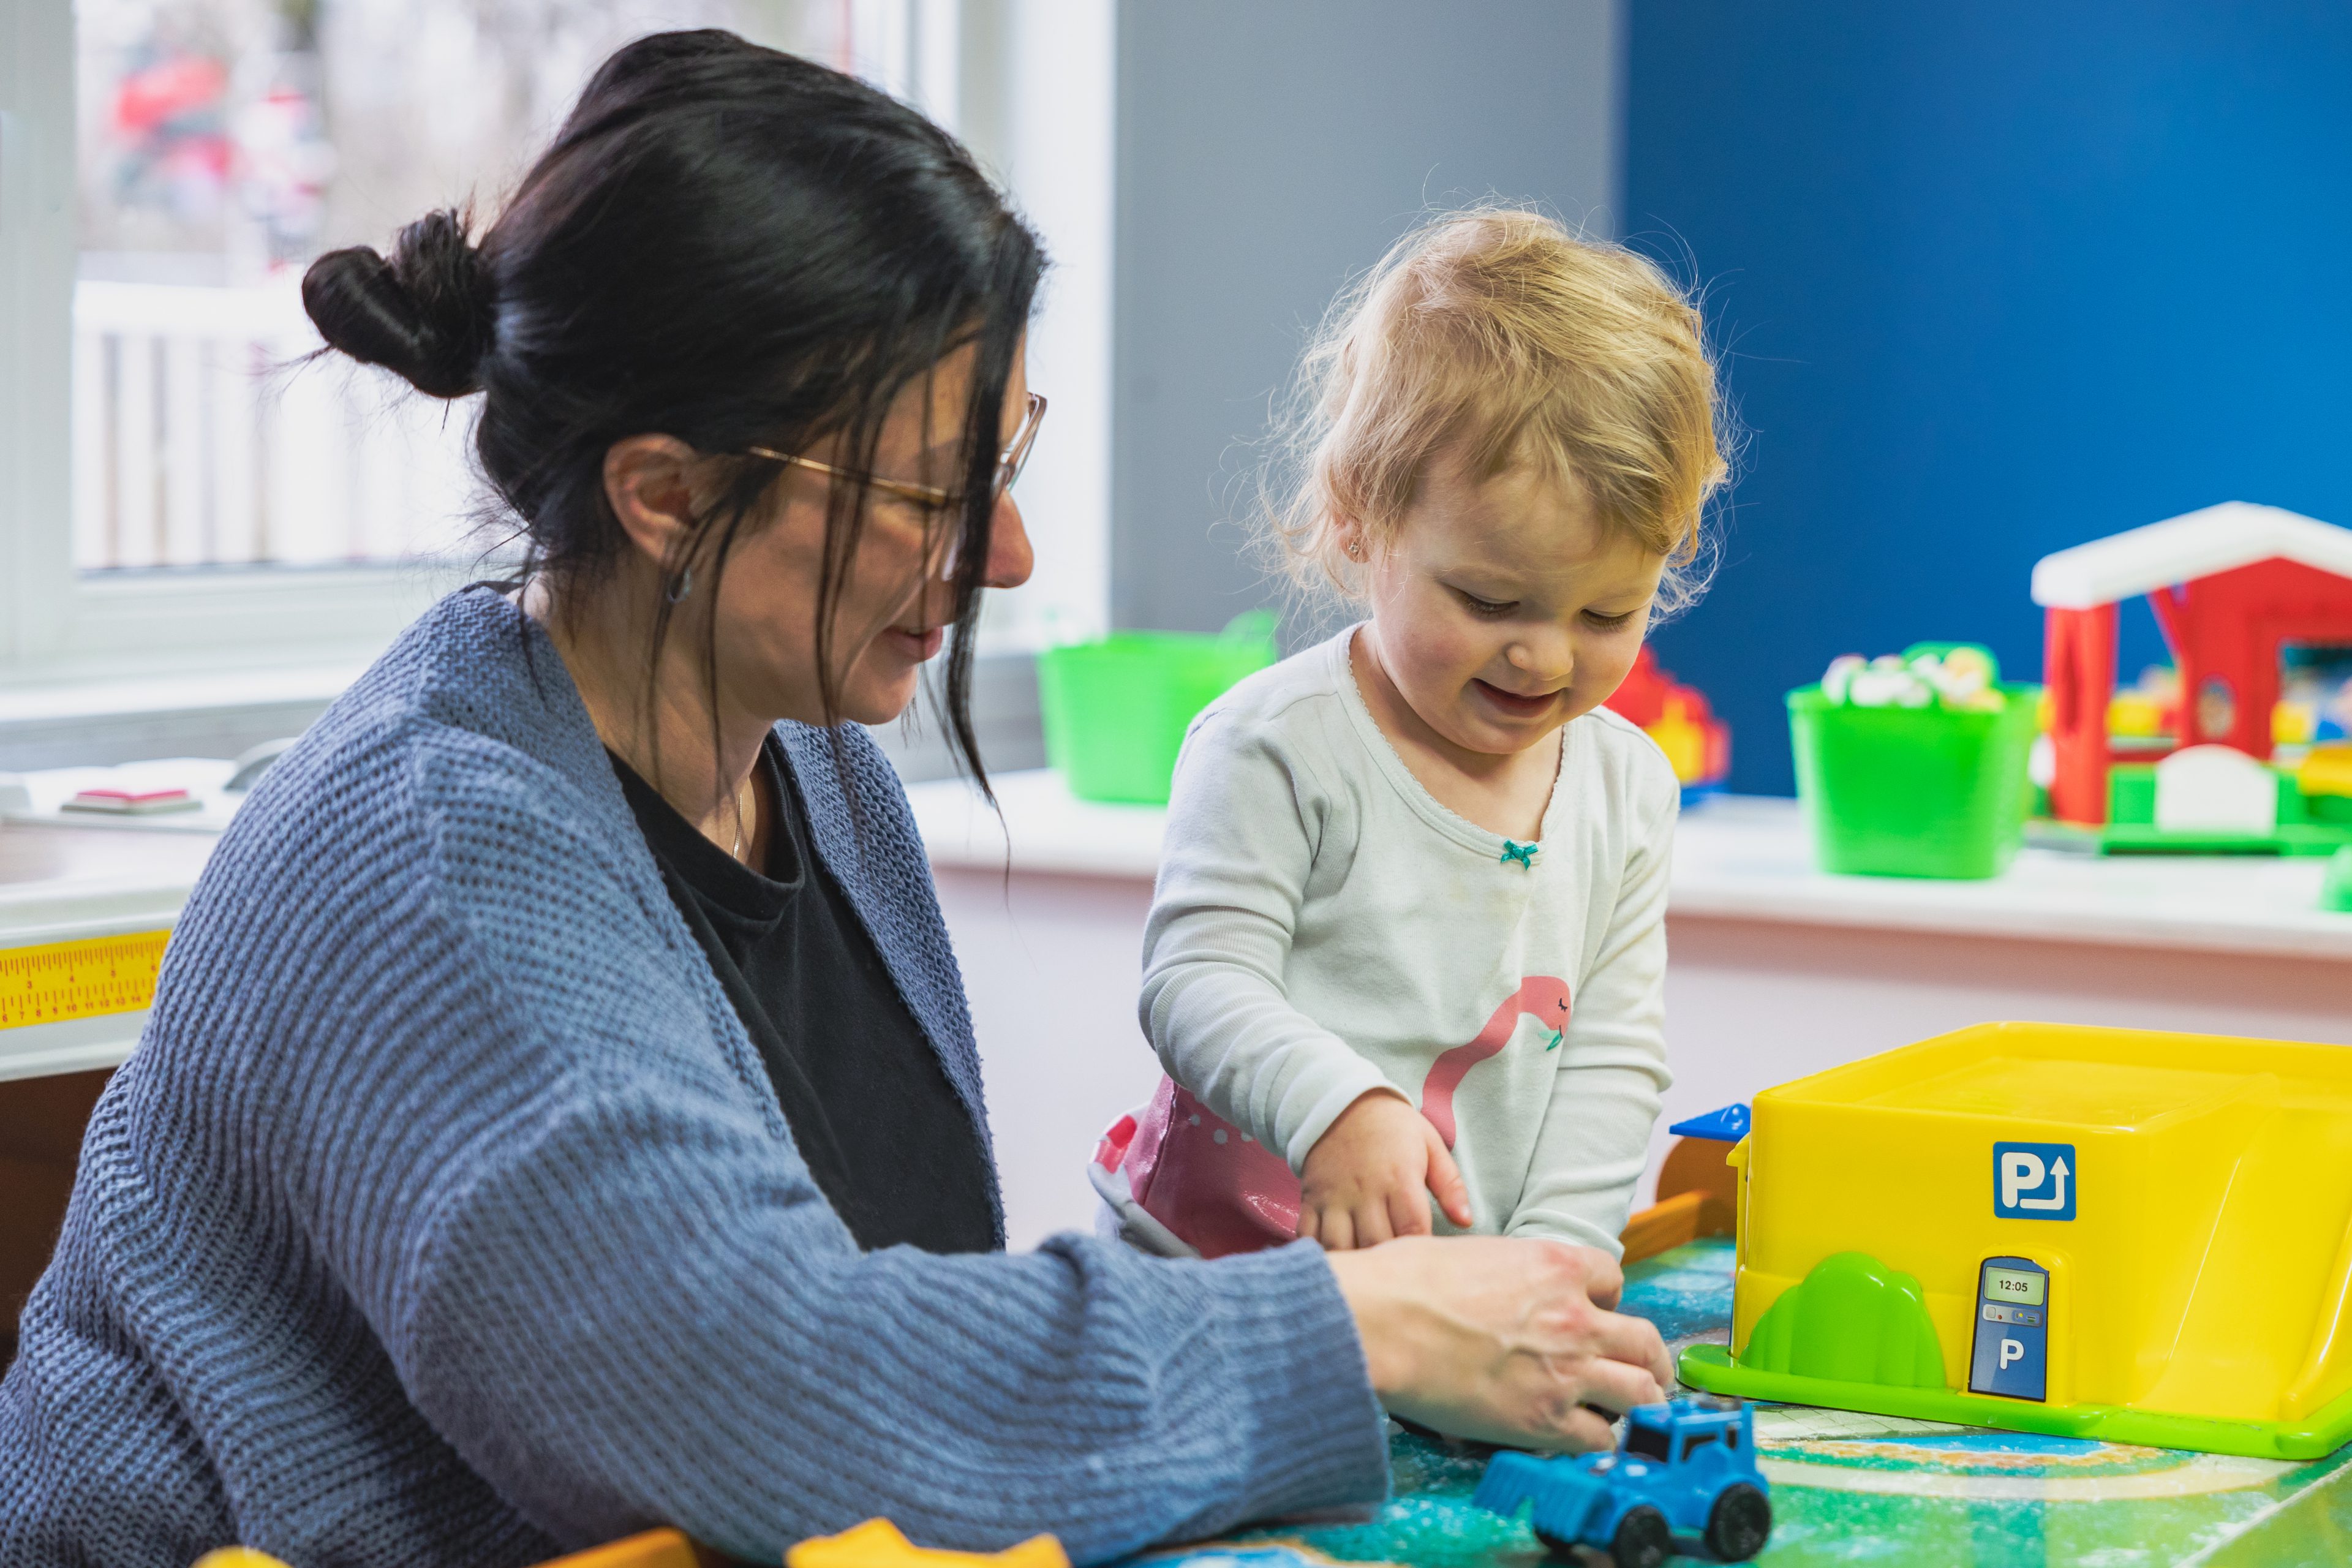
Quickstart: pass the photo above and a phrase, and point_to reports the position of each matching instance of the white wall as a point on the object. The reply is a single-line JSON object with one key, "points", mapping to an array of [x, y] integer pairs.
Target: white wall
{"points": [[1270, 150], [1052, 966]]}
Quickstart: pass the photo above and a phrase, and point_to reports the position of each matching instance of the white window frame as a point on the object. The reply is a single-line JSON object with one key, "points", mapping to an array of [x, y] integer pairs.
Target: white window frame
{"points": [[965, 60], [1037, 106], [57, 624], [37, 267], [1029, 86]]}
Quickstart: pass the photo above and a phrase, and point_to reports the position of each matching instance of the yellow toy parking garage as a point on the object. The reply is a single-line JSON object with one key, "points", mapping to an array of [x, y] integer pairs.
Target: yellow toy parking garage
{"points": [[2097, 1232]]}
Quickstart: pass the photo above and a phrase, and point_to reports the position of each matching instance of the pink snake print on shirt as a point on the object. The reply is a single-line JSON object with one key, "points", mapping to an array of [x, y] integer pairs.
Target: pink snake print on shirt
{"points": [[1540, 996]]}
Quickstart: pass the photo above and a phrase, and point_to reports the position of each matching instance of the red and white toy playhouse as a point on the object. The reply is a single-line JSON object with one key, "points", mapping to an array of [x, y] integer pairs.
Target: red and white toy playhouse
{"points": [[2229, 584]]}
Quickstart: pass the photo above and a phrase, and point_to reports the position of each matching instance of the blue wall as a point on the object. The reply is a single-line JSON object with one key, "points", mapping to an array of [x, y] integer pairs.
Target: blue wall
{"points": [[1994, 279]]}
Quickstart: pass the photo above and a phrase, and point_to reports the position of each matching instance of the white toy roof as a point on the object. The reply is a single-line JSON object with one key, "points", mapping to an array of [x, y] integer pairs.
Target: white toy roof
{"points": [[2181, 549]]}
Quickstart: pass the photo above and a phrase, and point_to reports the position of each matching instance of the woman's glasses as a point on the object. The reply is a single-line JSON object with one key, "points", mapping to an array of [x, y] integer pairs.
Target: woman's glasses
{"points": [[1009, 464]]}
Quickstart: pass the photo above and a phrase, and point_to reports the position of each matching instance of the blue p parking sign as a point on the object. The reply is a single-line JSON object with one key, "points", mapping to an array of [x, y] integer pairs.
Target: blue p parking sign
{"points": [[2033, 1180]]}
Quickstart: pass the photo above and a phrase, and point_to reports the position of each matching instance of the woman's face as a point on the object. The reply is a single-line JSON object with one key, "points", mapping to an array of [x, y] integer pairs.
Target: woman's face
{"points": [[894, 598]]}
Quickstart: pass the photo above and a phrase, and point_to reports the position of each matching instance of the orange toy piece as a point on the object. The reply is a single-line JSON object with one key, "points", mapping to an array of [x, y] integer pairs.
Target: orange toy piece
{"points": [[1697, 1195], [1696, 741], [877, 1543], [652, 1549]]}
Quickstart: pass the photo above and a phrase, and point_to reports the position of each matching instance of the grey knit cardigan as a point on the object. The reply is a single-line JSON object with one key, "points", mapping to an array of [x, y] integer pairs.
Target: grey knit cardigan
{"points": [[444, 1213]]}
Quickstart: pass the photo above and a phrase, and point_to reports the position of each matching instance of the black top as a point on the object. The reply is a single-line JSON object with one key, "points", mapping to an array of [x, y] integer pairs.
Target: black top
{"points": [[882, 1129]]}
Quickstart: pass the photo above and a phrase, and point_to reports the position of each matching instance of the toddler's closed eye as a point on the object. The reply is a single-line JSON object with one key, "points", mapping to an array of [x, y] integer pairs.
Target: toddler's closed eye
{"points": [[1493, 608]]}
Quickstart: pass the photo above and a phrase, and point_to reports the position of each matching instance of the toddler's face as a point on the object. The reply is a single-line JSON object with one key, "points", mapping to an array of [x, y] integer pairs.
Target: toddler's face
{"points": [[1506, 608]]}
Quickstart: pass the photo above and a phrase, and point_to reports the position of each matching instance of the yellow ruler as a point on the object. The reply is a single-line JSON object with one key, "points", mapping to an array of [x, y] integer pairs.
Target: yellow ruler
{"points": [[86, 979]]}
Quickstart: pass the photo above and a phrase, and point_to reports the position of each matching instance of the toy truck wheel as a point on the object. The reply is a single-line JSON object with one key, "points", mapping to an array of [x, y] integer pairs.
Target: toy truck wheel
{"points": [[1643, 1539], [1738, 1523]]}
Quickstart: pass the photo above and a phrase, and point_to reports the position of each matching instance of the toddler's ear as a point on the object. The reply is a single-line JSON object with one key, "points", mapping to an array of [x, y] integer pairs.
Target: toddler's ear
{"points": [[1349, 533]]}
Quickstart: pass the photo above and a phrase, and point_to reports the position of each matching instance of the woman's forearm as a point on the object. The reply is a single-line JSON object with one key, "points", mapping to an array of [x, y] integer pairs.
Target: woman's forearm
{"points": [[669, 1342]]}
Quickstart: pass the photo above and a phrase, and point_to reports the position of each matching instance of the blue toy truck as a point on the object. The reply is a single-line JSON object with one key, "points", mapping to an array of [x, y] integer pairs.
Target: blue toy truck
{"points": [[1684, 1480]]}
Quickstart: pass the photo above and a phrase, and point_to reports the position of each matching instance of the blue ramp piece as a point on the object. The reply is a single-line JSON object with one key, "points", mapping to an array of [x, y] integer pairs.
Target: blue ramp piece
{"points": [[1729, 1125], [1566, 1497]]}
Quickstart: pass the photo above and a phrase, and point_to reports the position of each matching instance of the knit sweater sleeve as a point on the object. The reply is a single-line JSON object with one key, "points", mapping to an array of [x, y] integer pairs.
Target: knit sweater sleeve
{"points": [[1611, 1071], [1245, 818], [611, 1286]]}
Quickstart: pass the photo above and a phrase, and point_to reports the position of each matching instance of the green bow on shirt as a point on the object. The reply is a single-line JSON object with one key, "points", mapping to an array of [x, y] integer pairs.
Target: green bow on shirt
{"points": [[1525, 853]]}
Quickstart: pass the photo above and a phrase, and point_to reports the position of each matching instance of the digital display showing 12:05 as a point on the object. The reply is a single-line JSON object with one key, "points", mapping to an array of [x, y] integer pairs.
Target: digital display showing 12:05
{"points": [[2013, 1285]]}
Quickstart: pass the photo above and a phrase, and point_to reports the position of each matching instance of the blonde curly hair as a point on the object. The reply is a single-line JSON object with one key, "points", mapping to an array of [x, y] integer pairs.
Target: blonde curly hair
{"points": [[1497, 330]]}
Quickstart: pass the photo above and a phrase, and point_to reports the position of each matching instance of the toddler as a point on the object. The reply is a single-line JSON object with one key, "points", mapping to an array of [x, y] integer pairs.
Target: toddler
{"points": [[1404, 961]]}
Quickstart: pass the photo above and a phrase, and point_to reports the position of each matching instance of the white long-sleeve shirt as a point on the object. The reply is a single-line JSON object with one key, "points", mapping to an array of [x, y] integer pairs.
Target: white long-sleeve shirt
{"points": [[1323, 928]]}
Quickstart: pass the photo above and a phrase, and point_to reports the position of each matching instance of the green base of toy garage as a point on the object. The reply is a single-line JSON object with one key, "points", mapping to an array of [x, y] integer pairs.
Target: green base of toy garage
{"points": [[1854, 1334], [1711, 1368]]}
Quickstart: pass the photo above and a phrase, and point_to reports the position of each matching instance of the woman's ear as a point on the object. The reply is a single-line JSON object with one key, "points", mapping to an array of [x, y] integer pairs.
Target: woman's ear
{"points": [[648, 483]]}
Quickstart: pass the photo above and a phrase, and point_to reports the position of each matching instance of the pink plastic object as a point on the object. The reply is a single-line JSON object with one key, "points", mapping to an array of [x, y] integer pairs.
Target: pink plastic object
{"points": [[1207, 1181], [1222, 1192]]}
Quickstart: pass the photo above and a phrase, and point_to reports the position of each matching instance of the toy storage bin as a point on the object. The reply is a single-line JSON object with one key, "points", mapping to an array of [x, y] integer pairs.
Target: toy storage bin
{"points": [[1116, 709], [1913, 791]]}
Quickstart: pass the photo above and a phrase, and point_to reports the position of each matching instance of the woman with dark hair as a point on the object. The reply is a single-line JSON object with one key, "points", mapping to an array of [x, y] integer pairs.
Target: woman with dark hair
{"points": [[560, 1113]]}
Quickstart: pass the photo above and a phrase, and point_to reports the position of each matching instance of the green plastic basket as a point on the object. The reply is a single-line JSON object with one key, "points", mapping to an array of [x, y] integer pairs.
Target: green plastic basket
{"points": [[1116, 710], [1914, 792], [2335, 890]]}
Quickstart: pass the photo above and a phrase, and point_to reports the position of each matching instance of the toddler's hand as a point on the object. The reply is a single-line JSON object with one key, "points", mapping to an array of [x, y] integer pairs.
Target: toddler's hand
{"points": [[1372, 1175]]}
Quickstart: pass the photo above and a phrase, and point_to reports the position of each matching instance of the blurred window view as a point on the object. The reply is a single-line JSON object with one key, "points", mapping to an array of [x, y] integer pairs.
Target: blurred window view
{"points": [[222, 144]]}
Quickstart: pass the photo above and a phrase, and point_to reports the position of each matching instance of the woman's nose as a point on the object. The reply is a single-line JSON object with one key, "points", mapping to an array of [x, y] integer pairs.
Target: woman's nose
{"points": [[1009, 558]]}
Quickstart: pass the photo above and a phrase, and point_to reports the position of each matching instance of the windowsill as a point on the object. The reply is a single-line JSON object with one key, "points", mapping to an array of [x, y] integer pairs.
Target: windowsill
{"points": [[228, 622], [1740, 857], [1050, 830], [118, 718], [121, 697]]}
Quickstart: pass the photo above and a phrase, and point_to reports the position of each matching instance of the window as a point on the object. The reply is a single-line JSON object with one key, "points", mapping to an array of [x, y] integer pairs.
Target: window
{"points": [[189, 491], [1650, 1442], [220, 145]]}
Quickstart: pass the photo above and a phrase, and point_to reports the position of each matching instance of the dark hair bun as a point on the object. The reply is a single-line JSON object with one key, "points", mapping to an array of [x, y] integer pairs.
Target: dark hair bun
{"points": [[428, 314]]}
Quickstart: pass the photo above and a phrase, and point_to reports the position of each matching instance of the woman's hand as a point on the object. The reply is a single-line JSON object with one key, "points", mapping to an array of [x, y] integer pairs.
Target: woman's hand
{"points": [[1372, 1175], [1502, 1339]]}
